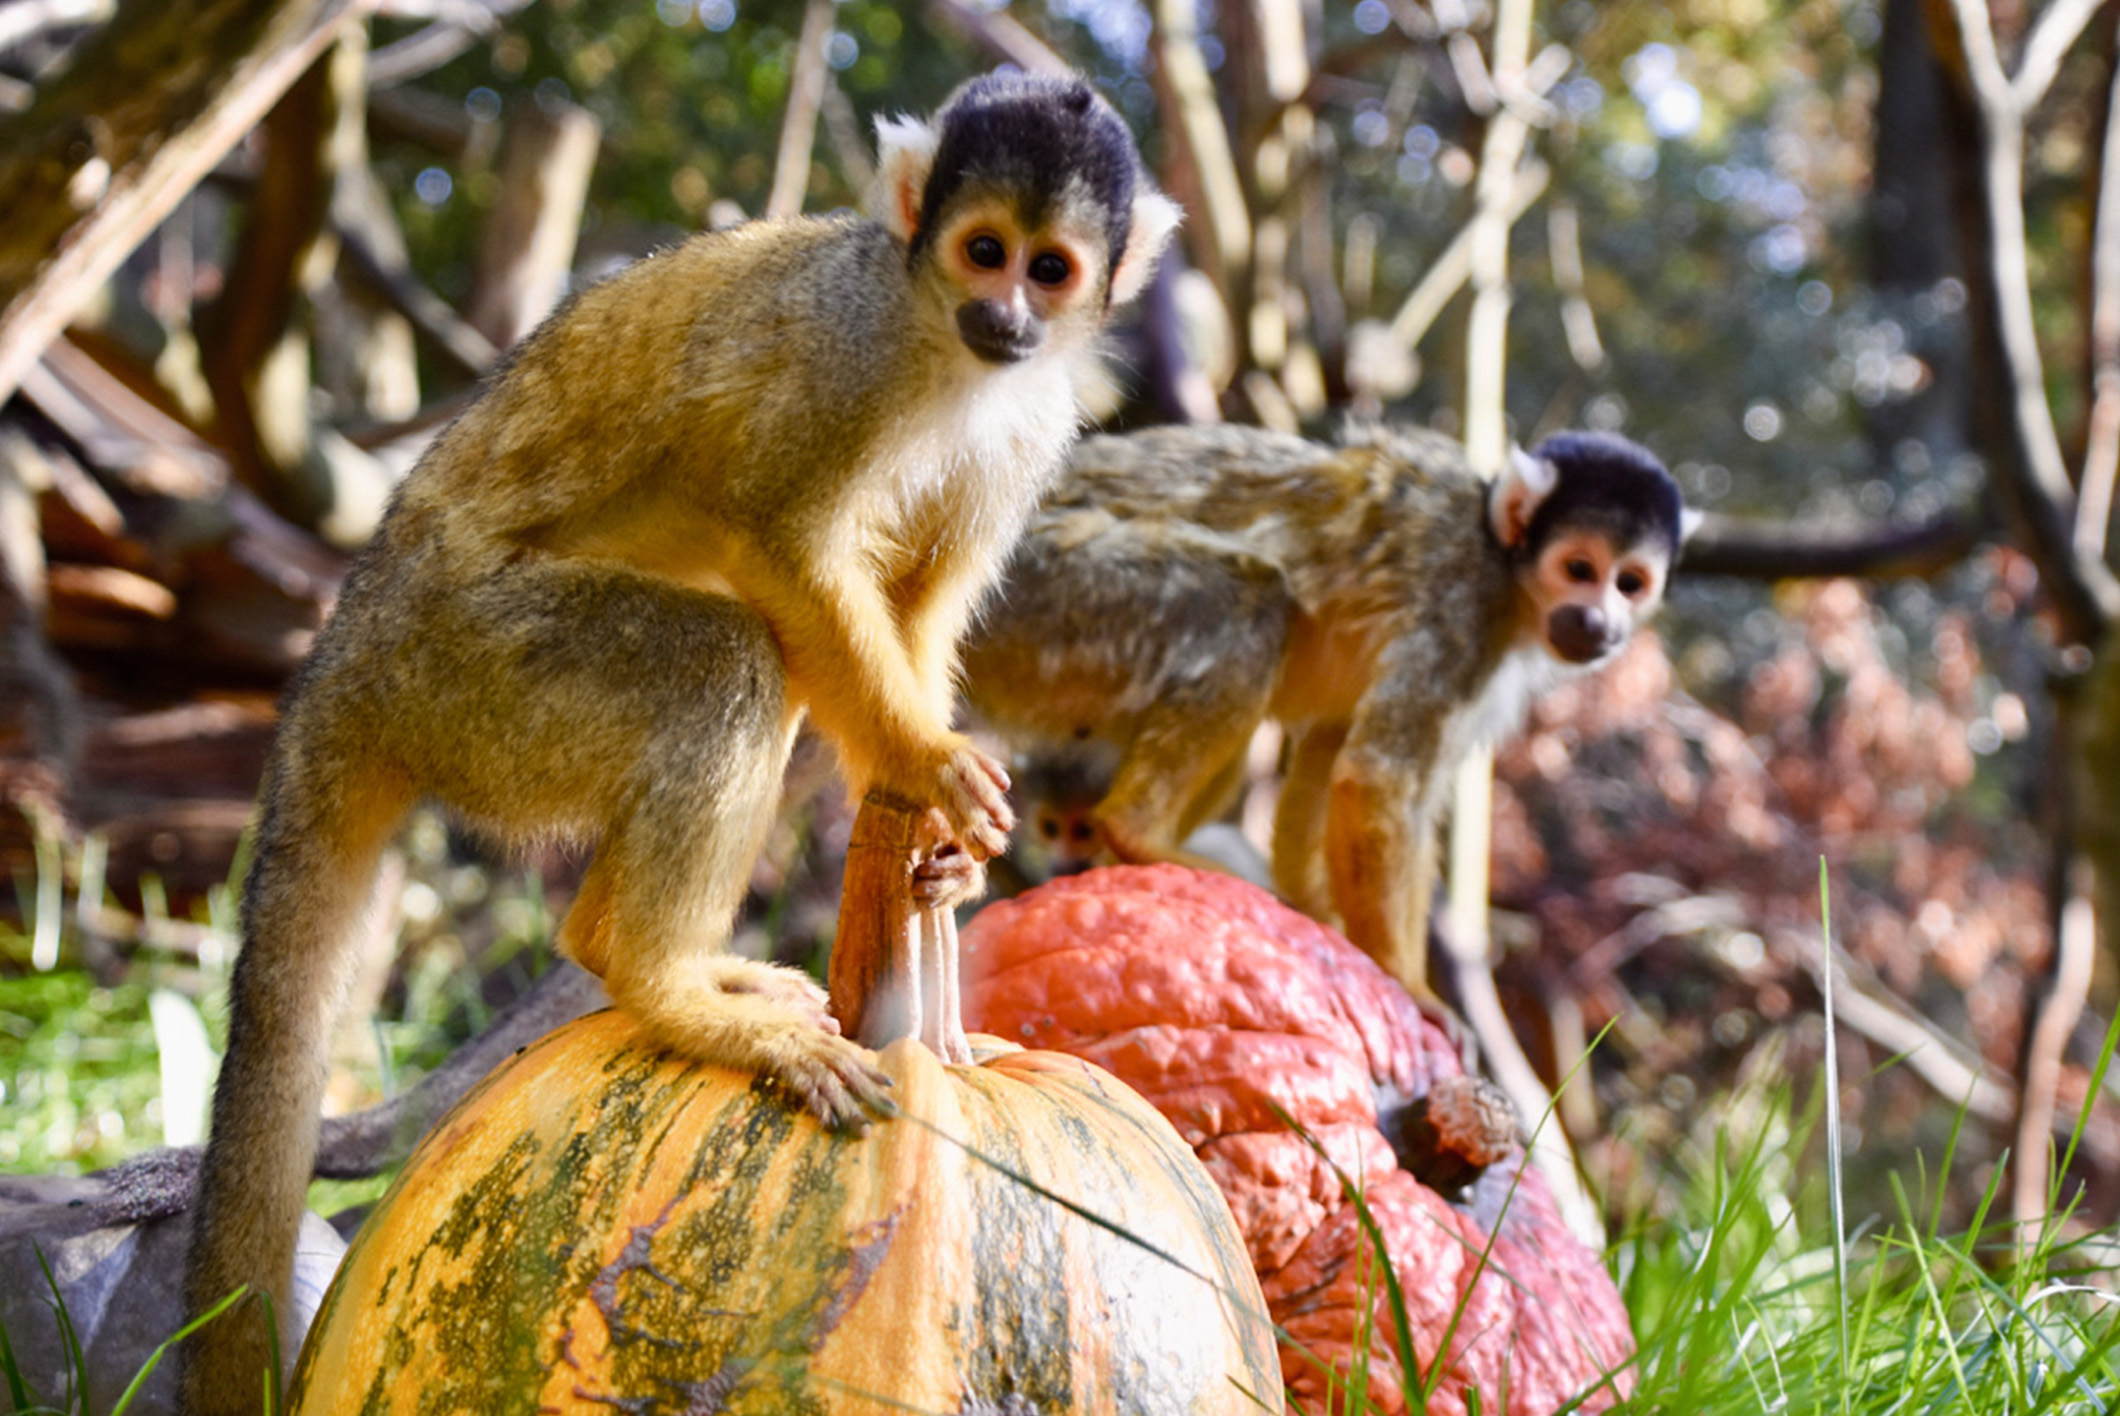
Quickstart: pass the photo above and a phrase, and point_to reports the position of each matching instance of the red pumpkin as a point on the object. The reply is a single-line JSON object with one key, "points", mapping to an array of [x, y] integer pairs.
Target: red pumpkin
{"points": [[1219, 1004]]}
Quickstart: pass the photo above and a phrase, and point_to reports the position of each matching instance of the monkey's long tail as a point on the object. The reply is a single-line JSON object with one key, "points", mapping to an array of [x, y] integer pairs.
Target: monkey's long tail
{"points": [[319, 844]]}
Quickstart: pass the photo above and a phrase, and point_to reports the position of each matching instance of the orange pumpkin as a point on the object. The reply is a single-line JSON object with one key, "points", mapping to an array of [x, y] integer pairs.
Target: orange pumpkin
{"points": [[1222, 1006], [602, 1227]]}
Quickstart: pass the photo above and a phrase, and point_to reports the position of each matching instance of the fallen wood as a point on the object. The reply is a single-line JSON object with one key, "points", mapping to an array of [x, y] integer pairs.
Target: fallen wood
{"points": [[175, 86]]}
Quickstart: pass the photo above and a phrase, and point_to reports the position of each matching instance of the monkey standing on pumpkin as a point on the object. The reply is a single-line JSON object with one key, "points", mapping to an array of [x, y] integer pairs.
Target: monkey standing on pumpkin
{"points": [[765, 474], [1183, 584]]}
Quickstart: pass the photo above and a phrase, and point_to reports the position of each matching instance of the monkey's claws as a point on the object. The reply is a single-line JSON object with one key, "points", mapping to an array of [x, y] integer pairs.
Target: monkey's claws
{"points": [[838, 1082]]}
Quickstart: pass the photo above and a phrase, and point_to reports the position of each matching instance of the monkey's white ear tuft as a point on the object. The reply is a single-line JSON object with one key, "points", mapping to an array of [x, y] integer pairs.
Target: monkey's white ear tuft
{"points": [[1689, 521], [905, 151], [1526, 481], [1155, 217]]}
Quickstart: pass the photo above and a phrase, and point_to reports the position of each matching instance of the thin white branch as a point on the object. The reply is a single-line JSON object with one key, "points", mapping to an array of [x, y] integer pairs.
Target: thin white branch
{"points": [[2053, 34], [1447, 273], [2101, 456]]}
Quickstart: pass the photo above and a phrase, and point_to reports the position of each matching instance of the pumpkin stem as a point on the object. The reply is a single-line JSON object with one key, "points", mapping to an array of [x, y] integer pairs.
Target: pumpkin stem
{"points": [[1447, 1138], [894, 957]]}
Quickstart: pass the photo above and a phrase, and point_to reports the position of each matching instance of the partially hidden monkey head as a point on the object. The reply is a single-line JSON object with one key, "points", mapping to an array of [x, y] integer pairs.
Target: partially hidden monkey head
{"points": [[1024, 211], [1592, 524]]}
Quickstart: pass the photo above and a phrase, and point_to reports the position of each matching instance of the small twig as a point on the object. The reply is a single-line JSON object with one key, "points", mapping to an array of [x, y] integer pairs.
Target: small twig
{"points": [[842, 129], [1924, 1049], [458, 24], [1578, 320], [1000, 34], [429, 313], [2031, 1161]]}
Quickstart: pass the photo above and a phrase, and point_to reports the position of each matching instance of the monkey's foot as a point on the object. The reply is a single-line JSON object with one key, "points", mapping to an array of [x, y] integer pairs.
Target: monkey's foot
{"points": [[784, 1029], [948, 878], [839, 1082], [776, 986]]}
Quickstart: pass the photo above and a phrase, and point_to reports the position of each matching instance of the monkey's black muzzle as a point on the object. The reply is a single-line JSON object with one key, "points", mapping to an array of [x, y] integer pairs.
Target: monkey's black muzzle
{"points": [[998, 334], [1581, 634]]}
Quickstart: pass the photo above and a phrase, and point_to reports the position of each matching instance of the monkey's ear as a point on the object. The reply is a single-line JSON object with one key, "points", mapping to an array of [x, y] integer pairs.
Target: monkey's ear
{"points": [[1689, 521], [1155, 217], [905, 153], [1526, 481]]}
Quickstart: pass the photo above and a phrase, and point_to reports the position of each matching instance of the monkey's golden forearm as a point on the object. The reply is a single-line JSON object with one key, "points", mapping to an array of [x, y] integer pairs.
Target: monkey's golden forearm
{"points": [[848, 661]]}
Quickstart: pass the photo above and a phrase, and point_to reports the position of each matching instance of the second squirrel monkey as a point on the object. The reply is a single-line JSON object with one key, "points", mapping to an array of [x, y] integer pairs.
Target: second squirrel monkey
{"points": [[767, 473], [1183, 584]]}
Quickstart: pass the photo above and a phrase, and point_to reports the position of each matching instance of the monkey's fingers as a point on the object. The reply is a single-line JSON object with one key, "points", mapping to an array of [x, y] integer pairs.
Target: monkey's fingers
{"points": [[948, 878], [978, 805]]}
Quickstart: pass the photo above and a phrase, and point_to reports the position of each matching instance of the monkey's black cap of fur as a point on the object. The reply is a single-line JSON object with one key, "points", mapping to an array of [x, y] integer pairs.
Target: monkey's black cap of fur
{"points": [[1609, 482], [1032, 134]]}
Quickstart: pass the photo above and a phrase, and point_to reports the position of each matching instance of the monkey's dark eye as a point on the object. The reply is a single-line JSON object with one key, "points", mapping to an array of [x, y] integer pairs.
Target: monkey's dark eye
{"points": [[1631, 583], [986, 252], [1580, 570], [1050, 268]]}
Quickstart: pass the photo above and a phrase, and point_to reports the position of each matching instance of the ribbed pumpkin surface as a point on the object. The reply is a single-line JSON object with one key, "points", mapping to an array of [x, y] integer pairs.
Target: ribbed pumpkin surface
{"points": [[1221, 1006], [601, 1227]]}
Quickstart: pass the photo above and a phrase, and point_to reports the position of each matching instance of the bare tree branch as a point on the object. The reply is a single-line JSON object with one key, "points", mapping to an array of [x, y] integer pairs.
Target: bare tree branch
{"points": [[2101, 455], [1752, 551], [843, 130], [1449, 271], [2085, 589], [1578, 321], [1924, 1049], [431, 315], [1182, 72], [798, 129], [2053, 34]]}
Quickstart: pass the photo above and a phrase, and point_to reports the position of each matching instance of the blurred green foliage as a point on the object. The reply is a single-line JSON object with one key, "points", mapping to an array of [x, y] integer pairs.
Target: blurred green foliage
{"points": [[79, 1087]]}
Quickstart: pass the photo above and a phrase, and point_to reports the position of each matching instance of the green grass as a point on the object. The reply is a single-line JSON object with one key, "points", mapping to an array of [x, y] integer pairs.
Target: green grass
{"points": [[1738, 1305]]}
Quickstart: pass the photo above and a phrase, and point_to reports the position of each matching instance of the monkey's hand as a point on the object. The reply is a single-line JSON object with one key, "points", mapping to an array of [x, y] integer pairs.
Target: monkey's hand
{"points": [[971, 791], [778, 1022]]}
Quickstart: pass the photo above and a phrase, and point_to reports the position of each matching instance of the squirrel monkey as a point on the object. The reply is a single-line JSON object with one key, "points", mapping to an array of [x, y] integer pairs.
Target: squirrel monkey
{"points": [[1379, 599], [764, 474]]}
